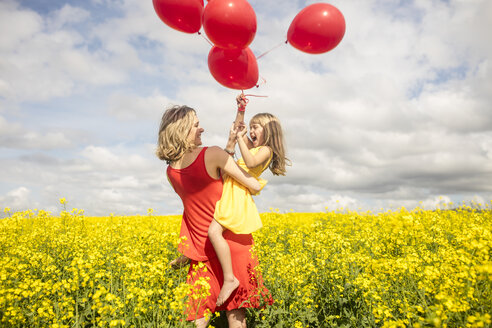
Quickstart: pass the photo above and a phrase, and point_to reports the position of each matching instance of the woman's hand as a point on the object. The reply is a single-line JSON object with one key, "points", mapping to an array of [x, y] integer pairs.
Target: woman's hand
{"points": [[231, 142], [233, 133]]}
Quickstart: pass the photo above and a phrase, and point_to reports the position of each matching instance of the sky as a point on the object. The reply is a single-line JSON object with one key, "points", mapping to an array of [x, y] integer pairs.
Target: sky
{"points": [[398, 114]]}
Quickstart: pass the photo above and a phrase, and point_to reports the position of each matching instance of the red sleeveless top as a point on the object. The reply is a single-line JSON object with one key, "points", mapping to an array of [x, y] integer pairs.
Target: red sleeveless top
{"points": [[199, 193]]}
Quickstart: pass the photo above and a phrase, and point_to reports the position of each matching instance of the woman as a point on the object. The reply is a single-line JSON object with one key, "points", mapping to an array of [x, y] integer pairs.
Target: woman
{"points": [[196, 175]]}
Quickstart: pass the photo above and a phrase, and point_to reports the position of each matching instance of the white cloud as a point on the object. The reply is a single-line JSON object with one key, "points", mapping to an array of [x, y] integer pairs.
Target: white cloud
{"points": [[15, 136], [100, 156], [130, 107], [339, 202], [39, 64], [109, 195], [432, 203], [67, 15], [17, 199], [398, 113], [478, 201], [125, 182], [26, 24], [99, 180], [117, 160], [7, 128]]}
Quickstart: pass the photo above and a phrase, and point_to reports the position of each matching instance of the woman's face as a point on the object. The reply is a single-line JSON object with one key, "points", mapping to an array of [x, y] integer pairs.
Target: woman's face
{"points": [[195, 135]]}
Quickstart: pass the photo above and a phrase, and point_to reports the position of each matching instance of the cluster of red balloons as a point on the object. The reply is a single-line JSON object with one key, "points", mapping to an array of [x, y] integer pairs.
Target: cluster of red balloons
{"points": [[231, 27]]}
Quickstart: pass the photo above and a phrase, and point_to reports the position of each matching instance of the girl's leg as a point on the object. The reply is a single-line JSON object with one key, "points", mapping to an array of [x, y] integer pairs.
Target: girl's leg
{"points": [[236, 318], [224, 255]]}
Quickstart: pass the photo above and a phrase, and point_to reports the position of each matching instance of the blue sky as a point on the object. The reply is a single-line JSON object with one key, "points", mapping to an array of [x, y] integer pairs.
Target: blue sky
{"points": [[398, 114]]}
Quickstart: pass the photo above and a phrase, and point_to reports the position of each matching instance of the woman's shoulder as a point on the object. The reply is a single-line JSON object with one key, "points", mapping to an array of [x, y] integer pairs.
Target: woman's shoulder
{"points": [[187, 159], [214, 149], [215, 152]]}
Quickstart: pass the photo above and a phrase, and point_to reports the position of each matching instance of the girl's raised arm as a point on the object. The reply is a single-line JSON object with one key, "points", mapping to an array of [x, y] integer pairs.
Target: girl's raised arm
{"points": [[239, 122], [241, 107]]}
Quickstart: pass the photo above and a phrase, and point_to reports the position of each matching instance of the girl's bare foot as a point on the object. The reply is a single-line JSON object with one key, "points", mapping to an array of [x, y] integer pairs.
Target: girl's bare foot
{"points": [[227, 288]]}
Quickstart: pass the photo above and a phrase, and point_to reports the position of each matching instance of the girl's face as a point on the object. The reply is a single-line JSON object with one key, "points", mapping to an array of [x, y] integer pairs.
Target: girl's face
{"points": [[195, 134], [256, 134]]}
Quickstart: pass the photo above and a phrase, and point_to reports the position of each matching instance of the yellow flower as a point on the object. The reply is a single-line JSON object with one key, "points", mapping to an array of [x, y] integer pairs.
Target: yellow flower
{"points": [[63, 201], [376, 260]]}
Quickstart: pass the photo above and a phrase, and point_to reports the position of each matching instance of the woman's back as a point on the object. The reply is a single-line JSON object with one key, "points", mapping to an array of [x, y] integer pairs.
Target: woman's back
{"points": [[199, 193]]}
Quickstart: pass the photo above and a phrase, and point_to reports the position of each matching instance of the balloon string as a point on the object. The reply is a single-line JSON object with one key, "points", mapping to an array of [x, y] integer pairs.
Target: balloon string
{"points": [[205, 38], [243, 96], [263, 81], [249, 95], [278, 45]]}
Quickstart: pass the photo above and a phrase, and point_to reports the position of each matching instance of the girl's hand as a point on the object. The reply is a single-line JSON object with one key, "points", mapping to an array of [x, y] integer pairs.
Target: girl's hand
{"points": [[241, 130], [241, 101]]}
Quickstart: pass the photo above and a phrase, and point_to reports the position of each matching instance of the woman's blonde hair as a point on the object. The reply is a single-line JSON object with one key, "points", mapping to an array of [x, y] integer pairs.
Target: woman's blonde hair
{"points": [[172, 142], [273, 138]]}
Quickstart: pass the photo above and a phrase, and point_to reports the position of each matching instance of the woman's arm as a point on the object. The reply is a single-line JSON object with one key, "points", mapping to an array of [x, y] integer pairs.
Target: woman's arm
{"points": [[216, 158], [231, 141]]}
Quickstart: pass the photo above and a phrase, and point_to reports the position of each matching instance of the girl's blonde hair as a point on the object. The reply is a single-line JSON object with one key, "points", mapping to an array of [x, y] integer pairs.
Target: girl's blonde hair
{"points": [[172, 142], [274, 138]]}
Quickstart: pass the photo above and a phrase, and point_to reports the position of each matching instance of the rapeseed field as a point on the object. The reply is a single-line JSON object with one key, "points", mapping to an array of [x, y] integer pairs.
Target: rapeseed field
{"points": [[401, 268]]}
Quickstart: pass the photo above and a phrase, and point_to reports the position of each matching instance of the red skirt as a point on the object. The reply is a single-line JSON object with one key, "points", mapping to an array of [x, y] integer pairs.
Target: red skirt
{"points": [[206, 279]]}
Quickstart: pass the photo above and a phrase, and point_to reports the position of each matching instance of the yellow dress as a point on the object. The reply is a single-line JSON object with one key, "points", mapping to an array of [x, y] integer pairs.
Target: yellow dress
{"points": [[236, 209]]}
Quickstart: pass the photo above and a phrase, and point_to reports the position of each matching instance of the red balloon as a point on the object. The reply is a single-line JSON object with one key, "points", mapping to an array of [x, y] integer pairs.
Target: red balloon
{"points": [[182, 15], [233, 68], [229, 24], [317, 28]]}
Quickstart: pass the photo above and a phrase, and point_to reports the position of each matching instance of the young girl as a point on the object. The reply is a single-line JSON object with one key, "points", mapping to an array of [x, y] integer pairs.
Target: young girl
{"points": [[236, 210]]}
